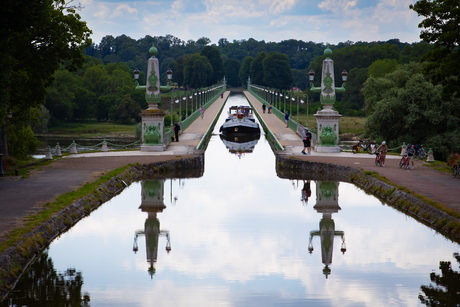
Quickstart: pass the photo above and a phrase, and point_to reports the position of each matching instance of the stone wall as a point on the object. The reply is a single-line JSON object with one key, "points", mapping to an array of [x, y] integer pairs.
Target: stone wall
{"points": [[441, 221]]}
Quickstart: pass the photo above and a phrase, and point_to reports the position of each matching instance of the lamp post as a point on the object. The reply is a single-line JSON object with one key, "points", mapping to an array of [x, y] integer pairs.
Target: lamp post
{"points": [[276, 100], [173, 95]]}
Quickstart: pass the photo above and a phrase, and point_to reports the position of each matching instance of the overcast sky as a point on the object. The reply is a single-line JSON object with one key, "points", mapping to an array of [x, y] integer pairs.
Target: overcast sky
{"points": [[327, 21]]}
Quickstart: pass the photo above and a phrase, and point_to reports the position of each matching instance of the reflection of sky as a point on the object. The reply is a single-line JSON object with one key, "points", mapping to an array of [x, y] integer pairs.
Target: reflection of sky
{"points": [[239, 237]]}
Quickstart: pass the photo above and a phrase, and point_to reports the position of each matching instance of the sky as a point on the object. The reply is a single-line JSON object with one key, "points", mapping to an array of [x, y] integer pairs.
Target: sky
{"points": [[327, 21]]}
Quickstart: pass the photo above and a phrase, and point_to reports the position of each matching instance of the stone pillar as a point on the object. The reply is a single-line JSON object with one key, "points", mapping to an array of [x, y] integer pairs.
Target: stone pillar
{"points": [[153, 118], [327, 119], [430, 156], [57, 152], [73, 148], [104, 146], [48, 155], [403, 150]]}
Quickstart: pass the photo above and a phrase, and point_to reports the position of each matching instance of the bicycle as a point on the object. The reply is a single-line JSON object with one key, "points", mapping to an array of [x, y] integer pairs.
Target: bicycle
{"points": [[364, 145], [404, 162], [456, 170], [378, 159]]}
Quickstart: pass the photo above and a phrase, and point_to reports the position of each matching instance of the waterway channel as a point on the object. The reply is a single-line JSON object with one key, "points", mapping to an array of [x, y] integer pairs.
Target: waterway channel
{"points": [[241, 236]]}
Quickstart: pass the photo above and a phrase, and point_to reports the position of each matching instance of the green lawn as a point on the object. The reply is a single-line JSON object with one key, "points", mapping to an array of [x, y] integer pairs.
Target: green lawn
{"points": [[348, 125], [90, 128]]}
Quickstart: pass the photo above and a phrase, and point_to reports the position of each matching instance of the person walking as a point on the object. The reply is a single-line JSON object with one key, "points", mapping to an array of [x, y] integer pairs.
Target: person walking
{"points": [[383, 151], [410, 155], [263, 107], [286, 119], [306, 138], [270, 109], [202, 112], [176, 131]]}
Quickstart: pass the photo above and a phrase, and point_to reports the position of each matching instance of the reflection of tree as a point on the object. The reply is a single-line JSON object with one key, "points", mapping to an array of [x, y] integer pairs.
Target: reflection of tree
{"points": [[447, 292], [42, 286]]}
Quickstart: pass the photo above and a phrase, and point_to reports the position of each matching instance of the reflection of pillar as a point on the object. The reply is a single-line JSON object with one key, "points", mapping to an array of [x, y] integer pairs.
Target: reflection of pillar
{"points": [[152, 203], [327, 203]]}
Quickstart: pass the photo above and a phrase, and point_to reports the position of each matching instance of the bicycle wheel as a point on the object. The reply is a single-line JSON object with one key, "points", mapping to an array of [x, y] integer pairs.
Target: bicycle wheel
{"points": [[401, 162], [380, 162], [454, 171], [369, 149], [421, 154], [376, 160]]}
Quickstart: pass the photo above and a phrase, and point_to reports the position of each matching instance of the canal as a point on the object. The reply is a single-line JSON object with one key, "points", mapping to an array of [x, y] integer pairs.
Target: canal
{"points": [[240, 236]]}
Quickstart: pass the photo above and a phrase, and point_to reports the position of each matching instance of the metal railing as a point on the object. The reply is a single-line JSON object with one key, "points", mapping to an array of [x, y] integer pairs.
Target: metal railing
{"points": [[215, 92], [268, 133]]}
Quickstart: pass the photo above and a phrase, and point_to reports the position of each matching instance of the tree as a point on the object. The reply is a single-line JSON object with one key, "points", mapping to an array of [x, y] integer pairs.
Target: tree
{"points": [[277, 72], [232, 67], [36, 37], [257, 69], [442, 28], [404, 106], [197, 71], [214, 57], [245, 70], [380, 68], [178, 74]]}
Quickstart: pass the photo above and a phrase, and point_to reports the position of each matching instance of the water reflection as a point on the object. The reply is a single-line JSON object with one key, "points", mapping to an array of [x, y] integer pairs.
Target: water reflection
{"points": [[240, 144], [152, 203], [327, 203], [42, 285], [447, 289]]}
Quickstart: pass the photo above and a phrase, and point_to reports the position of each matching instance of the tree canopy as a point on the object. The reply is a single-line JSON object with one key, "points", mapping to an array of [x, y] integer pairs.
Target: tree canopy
{"points": [[276, 71], [442, 28], [404, 106], [36, 37]]}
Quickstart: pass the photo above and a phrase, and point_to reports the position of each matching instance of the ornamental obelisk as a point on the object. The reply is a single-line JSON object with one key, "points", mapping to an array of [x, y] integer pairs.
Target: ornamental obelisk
{"points": [[327, 119]]}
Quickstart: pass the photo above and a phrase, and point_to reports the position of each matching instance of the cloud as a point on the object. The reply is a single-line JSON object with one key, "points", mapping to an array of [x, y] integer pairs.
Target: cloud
{"points": [[124, 10], [337, 6], [330, 21]]}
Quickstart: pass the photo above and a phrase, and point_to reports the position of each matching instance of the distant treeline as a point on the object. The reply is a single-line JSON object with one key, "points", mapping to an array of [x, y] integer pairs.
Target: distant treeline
{"points": [[104, 87]]}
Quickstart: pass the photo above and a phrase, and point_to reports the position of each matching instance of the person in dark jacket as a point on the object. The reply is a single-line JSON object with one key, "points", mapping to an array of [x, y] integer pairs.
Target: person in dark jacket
{"points": [[176, 131]]}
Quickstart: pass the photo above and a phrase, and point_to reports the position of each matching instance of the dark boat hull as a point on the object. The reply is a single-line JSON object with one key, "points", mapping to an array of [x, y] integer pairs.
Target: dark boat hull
{"points": [[239, 129]]}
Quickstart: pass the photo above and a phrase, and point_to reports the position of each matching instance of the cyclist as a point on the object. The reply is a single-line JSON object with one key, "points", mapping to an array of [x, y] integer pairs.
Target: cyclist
{"points": [[410, 154], [383, 151]]}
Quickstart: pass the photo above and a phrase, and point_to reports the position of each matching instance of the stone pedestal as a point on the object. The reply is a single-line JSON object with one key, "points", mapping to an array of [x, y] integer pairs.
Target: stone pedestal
{"points": [[430, 156], [73, 148], [104, 147], [48, 155], [58, 152], [153, 117], [327, 121]]}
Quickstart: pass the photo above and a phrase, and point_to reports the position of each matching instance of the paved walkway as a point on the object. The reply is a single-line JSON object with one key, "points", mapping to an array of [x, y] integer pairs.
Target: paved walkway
{"points": [[19, 198]]}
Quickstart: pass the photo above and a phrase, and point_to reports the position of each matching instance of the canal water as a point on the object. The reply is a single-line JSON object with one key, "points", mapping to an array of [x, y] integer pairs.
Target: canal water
{"points": [[240, 236]]}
